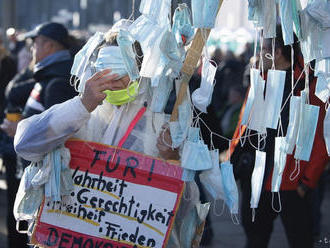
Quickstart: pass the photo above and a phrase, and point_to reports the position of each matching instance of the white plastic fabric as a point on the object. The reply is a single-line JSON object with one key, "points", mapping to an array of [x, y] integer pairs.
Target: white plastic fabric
{"points": [[156, 10], [286, 21]]}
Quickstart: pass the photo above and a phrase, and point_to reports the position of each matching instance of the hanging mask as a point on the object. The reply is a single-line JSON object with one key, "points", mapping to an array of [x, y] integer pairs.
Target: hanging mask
{"points": [[320, 10], [269, 18], [188, 175], [254, 79], [202, 96], [257, 116], [185, 116], [173, 54], [296, 9], [193, 134], [110, 58], [157, 10], [182, 24], [322, 90], [211, 179], [160, 95], [81, 58], [125, 42], [286, 21], [229, 186], [120, 97], [292, 130], [28, 198], [279, 163], [196, 156], [177, 135], [310, 40], [322, 66], [309, 115], [204, 13], [257, 178], [274, 94], [326, 130]]}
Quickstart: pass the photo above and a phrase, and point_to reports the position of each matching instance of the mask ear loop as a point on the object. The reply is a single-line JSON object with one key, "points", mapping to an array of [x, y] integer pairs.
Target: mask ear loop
{"points": [[234, 219], [297, 167], [163, 137], [215, 209], [131, 17], [279, 202]]}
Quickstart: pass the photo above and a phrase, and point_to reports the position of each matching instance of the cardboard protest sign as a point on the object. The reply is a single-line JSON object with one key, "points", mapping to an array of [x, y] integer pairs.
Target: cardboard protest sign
{"points": [[121, 199]]}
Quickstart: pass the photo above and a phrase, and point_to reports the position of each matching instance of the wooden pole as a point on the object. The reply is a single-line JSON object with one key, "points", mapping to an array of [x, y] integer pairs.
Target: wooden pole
{"points": [[190, 63]]}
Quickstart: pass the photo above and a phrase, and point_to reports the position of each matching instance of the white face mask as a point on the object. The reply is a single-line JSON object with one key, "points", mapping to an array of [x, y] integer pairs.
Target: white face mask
{"points": [[309, 115], [257, 116], [322, 90], [279, 163], [257, 178], [196, 156], [274, 94], [326, 130], [292, 131], [286, 21], [202, 96], [269, 18]]}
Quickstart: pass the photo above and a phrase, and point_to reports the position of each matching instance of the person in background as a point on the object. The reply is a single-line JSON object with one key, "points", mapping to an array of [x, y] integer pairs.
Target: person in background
{"points": [[296, 213]]}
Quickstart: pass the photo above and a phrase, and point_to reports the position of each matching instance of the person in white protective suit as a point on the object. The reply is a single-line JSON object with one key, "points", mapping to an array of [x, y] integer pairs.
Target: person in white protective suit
{"points": [[91, 117]]}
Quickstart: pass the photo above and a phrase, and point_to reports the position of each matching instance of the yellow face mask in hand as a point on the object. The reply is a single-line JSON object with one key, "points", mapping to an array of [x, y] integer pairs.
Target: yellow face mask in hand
{"points": [[120, 97]]}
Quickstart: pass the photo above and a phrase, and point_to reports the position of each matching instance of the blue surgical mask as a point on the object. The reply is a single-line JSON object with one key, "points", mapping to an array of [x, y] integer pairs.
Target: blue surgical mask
{"points": [[257, 178], [211, 179], [296, 9], [182, 24], [274, 94], [110, 58], [160, 94], [156, 10], [177, 135], [188, 175], [279, 163], [229, 186], [292, 130], [193, 134], [81, 58], [286, 21], [202, 96], [309, 115], [204, 13], [125, 42], [196, 156], [28, 198]]}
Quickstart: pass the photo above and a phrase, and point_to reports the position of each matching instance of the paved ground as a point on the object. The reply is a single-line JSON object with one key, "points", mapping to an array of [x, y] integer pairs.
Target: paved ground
{"points": [[227, 235]]}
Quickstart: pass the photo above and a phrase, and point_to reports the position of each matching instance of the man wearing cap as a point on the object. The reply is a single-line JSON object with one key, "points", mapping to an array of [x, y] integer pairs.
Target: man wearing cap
{"points": [[53, 63]]}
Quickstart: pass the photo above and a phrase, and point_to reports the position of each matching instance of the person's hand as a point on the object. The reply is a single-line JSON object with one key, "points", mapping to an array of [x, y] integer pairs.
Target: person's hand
{"points": [[93, 94], [301, 191], [164, 143], [9, 127]]}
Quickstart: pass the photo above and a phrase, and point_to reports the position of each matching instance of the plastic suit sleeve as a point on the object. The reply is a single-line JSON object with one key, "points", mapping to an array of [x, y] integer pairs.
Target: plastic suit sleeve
{"points": [[39, 134]]}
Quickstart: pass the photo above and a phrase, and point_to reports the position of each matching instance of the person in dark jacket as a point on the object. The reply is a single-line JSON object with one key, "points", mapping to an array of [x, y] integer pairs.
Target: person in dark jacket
{"points": [[52, 69]]}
